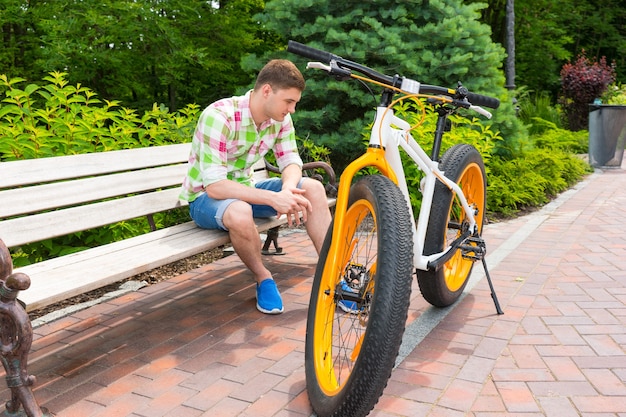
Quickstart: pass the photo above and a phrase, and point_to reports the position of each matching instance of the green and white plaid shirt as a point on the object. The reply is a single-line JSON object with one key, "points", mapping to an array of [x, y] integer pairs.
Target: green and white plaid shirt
{"points": [[226, 144]]}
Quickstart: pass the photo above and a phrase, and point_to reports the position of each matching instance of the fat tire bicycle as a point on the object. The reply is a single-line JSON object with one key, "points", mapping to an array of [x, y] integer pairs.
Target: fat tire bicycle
{"points": [[362, 285]]}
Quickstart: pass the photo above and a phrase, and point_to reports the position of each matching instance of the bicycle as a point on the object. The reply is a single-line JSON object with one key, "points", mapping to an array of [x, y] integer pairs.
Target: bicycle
{"points": [[361, 289]]}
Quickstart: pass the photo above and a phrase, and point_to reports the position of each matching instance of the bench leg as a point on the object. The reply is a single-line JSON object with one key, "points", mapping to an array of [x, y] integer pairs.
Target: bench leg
{"points": [[16, 336], [272, 237]]}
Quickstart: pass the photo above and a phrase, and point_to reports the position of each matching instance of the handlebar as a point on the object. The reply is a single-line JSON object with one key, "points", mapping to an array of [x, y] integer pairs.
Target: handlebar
{"points": [[342, 68], [485, 101]]}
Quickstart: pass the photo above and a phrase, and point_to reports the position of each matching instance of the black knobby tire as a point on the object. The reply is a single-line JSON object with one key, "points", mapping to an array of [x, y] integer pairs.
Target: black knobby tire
{"points": [[346, 373], [462, 164]]}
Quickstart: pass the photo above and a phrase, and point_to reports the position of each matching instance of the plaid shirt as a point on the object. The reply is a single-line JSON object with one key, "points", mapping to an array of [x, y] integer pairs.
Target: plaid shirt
{"points": [[226, 144]]}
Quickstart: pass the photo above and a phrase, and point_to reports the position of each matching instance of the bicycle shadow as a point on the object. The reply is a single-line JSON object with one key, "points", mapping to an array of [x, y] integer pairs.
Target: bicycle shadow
{"points": [[444, 345]]}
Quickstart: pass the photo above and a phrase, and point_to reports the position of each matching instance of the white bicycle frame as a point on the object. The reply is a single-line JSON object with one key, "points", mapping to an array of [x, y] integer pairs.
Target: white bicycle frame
{"points": [[391, 132]]}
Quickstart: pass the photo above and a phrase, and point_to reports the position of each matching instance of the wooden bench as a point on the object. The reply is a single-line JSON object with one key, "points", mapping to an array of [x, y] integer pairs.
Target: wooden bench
{"points": [[51, 197]]}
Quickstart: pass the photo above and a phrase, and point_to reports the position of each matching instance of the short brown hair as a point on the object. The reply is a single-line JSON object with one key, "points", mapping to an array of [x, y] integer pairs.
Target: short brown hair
{"points": [[280, 74]]}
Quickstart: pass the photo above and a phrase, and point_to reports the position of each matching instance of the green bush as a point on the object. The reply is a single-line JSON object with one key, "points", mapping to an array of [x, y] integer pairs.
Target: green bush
{"points": [[615, 94], [536, 175], [565, 140], [470, 130], [537, 112], [60, 119]]}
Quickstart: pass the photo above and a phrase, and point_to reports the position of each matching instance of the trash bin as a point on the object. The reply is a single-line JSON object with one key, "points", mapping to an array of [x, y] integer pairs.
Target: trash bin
{"points": [[607, 135]]}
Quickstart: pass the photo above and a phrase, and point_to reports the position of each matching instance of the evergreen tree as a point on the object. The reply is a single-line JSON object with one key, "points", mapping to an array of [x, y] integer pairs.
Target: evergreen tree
{"points": [[435, 42]]}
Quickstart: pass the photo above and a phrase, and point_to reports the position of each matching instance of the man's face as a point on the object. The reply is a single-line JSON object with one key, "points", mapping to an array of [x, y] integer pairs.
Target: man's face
{"points": [[280, 102]]}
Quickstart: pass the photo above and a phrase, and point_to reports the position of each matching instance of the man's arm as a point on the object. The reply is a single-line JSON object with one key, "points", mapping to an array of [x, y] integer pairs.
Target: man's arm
{"points": [[224, 189], [290, 200], [291, 176]]}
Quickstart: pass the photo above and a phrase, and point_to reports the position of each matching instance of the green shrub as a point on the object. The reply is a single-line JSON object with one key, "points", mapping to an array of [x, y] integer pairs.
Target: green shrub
{"points": [[615, 95], [470, 130], [565, 140], [537, 112], [60, 119], [542, 166], [535, 175]]}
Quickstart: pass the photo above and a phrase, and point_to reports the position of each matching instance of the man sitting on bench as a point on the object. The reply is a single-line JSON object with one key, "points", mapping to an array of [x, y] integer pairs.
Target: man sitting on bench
{"points": [[234, 133]]}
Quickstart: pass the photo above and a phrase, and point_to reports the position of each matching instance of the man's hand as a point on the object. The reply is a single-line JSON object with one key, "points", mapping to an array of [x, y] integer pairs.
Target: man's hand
{"points": [[292, 203]]}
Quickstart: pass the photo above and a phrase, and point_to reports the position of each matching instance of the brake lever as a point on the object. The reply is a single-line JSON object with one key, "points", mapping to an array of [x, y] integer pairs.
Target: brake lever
{"points": [[480, 110], [318, 65], [340, 74]]}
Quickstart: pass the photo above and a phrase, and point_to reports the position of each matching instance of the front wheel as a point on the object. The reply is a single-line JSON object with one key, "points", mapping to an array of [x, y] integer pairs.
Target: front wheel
{"points": [[358, 312], [462, 164]]}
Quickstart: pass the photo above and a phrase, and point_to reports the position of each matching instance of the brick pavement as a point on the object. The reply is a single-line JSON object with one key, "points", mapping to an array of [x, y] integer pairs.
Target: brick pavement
{"points": [[196, 346]]}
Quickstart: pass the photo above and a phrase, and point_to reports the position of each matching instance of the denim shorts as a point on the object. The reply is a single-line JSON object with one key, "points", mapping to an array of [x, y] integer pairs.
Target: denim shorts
{"points": [[208, 212]]}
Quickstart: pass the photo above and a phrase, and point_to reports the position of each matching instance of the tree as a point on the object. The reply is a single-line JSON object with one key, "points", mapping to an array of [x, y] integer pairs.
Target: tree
{"points": [[597, 27], [18, 40], [174, 52], [548, 33], [435, 42]]}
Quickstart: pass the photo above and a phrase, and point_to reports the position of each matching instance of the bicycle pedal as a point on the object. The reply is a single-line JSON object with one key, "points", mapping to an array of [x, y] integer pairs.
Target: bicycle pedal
{"points": [[474, 248]]}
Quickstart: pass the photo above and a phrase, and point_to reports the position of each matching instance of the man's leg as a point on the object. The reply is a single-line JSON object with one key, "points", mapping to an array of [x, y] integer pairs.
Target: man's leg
{"points": [[319, 218], [246, 242], [245, 238], [236, 217]]}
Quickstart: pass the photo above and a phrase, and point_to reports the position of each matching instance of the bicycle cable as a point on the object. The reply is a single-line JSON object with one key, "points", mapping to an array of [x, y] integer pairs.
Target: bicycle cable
{"points": [[364, 80]]}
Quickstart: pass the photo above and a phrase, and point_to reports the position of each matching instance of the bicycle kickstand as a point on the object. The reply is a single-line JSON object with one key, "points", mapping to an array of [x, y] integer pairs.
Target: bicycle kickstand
{"points": [[478, 251], [493, 292]]}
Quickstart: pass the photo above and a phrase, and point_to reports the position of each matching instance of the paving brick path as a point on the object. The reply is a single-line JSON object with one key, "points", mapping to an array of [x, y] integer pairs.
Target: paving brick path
{"points": [[196, 346]]}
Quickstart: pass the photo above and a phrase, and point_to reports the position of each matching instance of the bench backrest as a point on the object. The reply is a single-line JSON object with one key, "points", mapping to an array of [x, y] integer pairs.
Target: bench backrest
{"points": [[51, 197]]}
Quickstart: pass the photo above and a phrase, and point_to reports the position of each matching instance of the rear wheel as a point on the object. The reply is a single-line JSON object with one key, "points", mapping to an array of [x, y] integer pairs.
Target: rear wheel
{"points": [[462, 164], [357, 313]]}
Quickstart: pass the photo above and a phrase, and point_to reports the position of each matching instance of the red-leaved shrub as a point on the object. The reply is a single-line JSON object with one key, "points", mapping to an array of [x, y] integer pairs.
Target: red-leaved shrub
{"points": [[582, 82]]}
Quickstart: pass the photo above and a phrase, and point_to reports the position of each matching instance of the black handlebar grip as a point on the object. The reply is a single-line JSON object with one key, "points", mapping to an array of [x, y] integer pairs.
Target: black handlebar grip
{"points": [[483, 101], [308, 52]]}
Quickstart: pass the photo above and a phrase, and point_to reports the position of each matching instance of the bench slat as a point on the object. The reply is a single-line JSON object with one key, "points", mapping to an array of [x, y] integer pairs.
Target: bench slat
{"points": [[59, 194], [99, 251], [33, 171], [62, 278], [29, 229]]}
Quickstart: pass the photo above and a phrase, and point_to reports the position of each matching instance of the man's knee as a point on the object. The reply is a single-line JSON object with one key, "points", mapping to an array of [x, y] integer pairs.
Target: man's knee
{"points": [[238, 215], [314, 189]]}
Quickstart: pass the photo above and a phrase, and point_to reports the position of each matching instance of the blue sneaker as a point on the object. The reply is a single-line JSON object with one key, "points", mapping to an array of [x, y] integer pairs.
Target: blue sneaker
{"points": [[346, 305], [268, 298]]}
